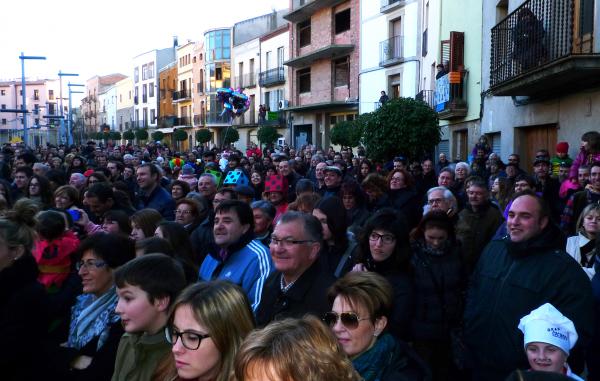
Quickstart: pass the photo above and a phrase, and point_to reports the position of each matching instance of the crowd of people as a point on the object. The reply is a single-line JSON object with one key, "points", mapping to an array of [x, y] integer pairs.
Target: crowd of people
{"points": [[135, 262]]}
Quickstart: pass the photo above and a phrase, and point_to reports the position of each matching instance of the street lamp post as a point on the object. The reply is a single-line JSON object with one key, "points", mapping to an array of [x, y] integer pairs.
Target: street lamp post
{"points": [[23, 57], [70, 116], [62, 120]]}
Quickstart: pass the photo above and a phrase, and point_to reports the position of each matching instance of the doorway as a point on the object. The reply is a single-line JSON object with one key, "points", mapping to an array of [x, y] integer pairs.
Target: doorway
{"points": [[528, 140]]}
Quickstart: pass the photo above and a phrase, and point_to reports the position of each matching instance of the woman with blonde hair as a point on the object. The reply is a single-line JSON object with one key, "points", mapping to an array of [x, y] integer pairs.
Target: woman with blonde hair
{"points": [[361, 307], [582, 247], [208, 324], [293, 350]]}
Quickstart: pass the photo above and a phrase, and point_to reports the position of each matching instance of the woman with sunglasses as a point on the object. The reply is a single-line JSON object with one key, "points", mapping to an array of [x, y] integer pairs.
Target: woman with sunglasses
{"points": [[359, 316], [208, 324], [384, 249], [95, 329]]}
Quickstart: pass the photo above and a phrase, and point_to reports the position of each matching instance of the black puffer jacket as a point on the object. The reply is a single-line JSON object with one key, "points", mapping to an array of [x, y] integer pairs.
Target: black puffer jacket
{"points": [[438, 304], [511, 280], [23, 320], [401, 282]]}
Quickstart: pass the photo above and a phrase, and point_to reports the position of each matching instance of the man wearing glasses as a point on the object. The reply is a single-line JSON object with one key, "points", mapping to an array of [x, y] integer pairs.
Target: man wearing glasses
{"points": [[299, 284]]}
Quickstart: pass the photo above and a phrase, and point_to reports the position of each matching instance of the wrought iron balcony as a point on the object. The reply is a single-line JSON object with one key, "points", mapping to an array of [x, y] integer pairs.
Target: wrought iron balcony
{"points": [[391, 51], [450, 95], [182, 95], [544, 49], [183, 121], [279, 122], [166, 121], [217, 119], [272, 77], [426, 96]]}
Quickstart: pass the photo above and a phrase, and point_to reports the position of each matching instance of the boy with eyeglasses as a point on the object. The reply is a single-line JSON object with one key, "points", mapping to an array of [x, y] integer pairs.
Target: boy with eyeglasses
{"points": [[146, 286]]}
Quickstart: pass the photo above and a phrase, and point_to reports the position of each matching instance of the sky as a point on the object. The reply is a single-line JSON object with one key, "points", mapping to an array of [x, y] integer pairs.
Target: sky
{"points": [[99, 38]]}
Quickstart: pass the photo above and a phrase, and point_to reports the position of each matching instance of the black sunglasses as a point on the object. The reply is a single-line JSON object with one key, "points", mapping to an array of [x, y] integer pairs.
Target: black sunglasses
{"points": [[349, 320]]}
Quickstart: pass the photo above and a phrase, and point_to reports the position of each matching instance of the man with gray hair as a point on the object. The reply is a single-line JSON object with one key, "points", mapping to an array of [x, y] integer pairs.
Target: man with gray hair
{"points": [[299, 284], [441, 199], [207, 186], [40, 169]]}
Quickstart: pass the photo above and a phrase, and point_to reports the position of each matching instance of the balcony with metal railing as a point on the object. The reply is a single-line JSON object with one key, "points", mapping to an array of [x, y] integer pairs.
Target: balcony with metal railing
{"points": [[183, 121], [272, 77], [544, 49], [391, 51], [182, 95], [426, 96]]}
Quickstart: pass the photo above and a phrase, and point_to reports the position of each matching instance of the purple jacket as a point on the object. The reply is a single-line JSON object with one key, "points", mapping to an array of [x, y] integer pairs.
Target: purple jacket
{"points": [[583, 158]]}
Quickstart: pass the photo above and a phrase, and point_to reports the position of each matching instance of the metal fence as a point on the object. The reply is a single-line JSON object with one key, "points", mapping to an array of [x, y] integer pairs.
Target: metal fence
{"points": [[535, 34]]}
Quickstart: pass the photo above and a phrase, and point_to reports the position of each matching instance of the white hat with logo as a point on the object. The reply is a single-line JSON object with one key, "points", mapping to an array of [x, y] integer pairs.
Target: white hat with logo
{"points": [[548, 325]]}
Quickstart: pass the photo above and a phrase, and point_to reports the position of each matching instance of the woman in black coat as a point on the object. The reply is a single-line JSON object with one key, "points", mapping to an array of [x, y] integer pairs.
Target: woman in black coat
{"points": [[384, 249], [440, 283], [23, 304]]}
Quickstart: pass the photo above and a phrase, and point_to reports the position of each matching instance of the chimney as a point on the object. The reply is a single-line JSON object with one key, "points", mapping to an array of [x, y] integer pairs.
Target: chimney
{"points": [[175, 43]]}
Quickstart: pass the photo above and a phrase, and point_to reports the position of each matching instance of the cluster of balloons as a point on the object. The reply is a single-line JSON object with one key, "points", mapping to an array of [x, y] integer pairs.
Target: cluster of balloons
{"points": [[235, 102]]}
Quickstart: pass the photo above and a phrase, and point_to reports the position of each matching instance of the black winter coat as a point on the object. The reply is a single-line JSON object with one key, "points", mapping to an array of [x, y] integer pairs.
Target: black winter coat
{"points": [[406, 201], [438, 304], [308, 295], [401, 281], [511, 280], [23, 320]]}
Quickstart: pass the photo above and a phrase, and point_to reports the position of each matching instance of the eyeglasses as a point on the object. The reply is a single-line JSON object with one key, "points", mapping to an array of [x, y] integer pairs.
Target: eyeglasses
{"points": [[90, 264], [349, 320], [385, 238], [288, 242], [435, 201], [190, 340], [179, 211]]}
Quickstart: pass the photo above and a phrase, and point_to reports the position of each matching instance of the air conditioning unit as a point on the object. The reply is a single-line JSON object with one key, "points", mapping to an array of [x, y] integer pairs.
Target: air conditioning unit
{"points": [[283, 104]]}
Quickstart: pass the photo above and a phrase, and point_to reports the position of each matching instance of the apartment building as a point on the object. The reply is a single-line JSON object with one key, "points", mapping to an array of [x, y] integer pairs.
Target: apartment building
{"points": [[324, 67], [251, 58], [390, 51], [42, 104], [145, 82], [108, 108], [124, 104], [90, 104], [274, 79]]}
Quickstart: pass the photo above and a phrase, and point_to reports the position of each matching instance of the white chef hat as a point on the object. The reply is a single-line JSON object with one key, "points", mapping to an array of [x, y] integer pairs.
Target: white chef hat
{"points": [[546, 324]]}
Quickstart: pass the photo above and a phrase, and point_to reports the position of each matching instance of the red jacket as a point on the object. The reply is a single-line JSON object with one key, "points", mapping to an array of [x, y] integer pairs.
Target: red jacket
{"points": [[54, 258]]}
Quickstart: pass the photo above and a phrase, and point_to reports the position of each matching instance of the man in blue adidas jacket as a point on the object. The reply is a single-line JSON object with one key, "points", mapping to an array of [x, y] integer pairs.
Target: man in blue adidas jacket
{"points": [[237, 257]]}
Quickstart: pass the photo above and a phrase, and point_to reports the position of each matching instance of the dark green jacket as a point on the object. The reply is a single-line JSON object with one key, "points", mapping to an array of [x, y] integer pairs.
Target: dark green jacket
{"points": [[139, 355], [509, 282]]}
